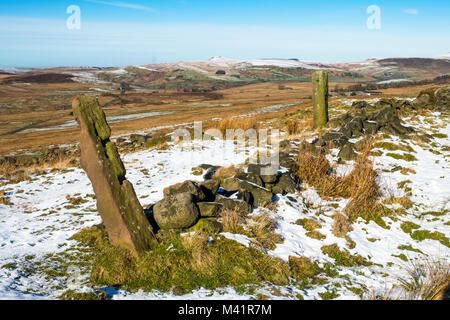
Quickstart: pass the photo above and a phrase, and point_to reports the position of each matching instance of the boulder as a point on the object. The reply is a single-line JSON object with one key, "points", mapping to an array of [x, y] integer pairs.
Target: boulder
{"points": [[362, 144], [138, 139], [207, 226], [443, 98], [176, 211], [209, 209], [285, 185], [117, 203], [433, 98], [339, 143], [261, 196], [370, 127], [332, 135], [360, 104], [319, 142], [209, 173], [404, 104], [288, 162], [337, 139], [348, 152], [424, 100], [186, 187], [305, 146], [251, 177], [384, 116], [399, 128], [353, 128], [255, 168], [234, 204], [210, 188], [245, 196], [270, 179], [384, 103]]}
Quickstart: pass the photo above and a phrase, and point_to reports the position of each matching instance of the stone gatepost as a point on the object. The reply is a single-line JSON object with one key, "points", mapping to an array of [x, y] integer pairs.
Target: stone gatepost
{"points": [[320, 98], [117, 203]]}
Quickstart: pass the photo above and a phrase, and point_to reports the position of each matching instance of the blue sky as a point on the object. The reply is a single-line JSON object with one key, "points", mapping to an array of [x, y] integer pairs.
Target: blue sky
{"points": [[128, 32]]}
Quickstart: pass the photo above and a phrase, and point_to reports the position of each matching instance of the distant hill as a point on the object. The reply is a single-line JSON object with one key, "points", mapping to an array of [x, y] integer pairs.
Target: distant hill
{"points": [[203, 75]]}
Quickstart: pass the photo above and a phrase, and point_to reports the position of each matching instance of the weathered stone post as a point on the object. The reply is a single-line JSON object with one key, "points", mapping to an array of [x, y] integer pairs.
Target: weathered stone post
{"points": [[117, 203], [320, 98]]}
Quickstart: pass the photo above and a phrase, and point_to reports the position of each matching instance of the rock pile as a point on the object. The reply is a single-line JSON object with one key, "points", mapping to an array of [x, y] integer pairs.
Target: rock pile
{"points": [[366, 120], [197, 205], [436, 98]]}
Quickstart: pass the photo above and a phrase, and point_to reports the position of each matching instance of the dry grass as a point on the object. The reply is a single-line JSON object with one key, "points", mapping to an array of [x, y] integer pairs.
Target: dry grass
{"points": [[17, 174], [233, 222], [363, 189], [404, 201], [303, 268], [311, 225], [197, 246], [341, 225], [3, 199], [260, 228], [244, 123], [427, 279], [6, 169], [263, 227], [181, 264], [294, 127], [291, 126], [316, 171], [360, 185]]}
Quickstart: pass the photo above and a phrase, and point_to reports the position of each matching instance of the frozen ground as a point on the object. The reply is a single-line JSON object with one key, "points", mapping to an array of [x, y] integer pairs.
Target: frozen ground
{"points": [[43, 218]]}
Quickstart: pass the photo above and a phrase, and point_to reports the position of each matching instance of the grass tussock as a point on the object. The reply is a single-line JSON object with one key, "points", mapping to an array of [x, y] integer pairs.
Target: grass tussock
{"points": [[343, 257], [341, 225], [4, 200], [427, 279], [308, 224], [393, 147], [311, 226], [363, 189], [237, 123], [405, 201], [294, 127], [303, 268], [72, 295], [406, 157], [360, 185], [263, 228], [317, 171], [182, 264], [233, 222]]}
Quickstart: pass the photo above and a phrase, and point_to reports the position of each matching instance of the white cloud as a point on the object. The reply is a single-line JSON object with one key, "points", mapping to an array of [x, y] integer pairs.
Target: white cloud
{"points": [[124, 5], [411, 11]]}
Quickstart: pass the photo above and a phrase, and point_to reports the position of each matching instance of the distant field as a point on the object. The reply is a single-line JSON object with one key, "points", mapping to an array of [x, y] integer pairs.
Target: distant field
{"points": [[33, 116]]}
